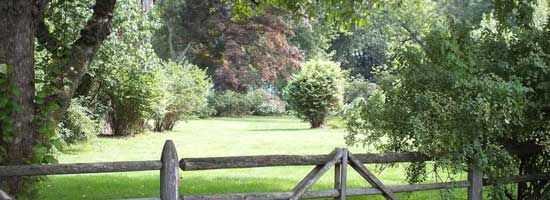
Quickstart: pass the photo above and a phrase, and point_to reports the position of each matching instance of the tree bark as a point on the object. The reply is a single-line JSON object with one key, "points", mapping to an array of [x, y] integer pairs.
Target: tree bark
{"points": [[17, 51], [169, 121], [317, 121], [82, 53], [171, 40], [20, 22]]}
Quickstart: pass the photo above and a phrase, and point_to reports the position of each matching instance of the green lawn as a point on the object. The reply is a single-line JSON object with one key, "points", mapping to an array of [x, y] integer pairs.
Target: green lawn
{"points": [[211, 137]]}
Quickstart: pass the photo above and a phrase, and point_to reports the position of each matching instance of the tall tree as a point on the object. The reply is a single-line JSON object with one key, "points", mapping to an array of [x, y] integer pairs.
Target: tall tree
{"points": [[361, 51], [238, 53], [471, 94], [21, 22], [165, 36]]}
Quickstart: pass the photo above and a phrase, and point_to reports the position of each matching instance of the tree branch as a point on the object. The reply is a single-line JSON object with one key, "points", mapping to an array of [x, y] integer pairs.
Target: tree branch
{"points": [[45, 39], [83, 50], [42, 32], [181, 57], [413, 35], [40, 7]]}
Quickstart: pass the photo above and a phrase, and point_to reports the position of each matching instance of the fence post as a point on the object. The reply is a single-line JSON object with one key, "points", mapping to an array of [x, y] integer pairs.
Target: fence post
{"points": [[342, 186], [475, 175], [337, 177], [169, 173], [340, 175]]}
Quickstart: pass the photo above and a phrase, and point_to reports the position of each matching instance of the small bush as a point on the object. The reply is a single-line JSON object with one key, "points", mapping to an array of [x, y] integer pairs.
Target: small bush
{"points": [[316, 91], [358, 87], [131, 96], [270, 105], [336, 121], [257, 102], [229, 103], [77, 125], [184, 91]]}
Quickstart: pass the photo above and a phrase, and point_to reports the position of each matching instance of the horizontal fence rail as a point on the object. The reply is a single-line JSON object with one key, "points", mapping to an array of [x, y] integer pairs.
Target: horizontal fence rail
{"points": [[328, 193], [518, 179], [357, 191], [168, 167], [362, 191], [208, 163], [322, 193], [79, 168]]}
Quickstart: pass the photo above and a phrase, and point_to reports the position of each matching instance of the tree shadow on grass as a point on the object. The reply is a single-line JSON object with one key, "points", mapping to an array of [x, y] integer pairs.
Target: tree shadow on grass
{"points": [[260, 119]]}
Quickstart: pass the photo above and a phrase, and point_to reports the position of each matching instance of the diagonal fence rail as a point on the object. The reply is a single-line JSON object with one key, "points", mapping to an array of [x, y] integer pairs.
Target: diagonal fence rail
{"points": [[339, 159]]}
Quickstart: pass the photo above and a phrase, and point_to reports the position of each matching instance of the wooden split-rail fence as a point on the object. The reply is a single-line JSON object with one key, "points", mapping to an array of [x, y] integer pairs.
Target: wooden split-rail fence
{"points": [[339, 159]]}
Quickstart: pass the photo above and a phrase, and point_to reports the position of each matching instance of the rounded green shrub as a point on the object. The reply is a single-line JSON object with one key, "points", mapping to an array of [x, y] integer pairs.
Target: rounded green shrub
{"points": [[183, 94], [316, 91], [77, 124]]}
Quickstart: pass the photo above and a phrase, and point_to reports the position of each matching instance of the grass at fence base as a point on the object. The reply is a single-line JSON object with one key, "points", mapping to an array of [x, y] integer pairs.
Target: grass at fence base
{"points": [[213, 137]]}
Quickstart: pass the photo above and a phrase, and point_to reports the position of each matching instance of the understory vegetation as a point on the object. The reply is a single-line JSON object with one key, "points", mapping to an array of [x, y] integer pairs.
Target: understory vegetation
{"points": [[258, 102]]}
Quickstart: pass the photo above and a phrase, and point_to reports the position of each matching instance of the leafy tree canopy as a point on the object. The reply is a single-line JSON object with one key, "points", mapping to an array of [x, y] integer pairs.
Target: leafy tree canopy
{"points": [[476, 95]]}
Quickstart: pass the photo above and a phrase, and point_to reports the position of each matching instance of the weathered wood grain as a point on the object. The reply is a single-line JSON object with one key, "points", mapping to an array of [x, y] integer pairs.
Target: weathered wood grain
{"points": [[367, 175], [518, 179], [262, 196], [79, 168], [311, 174], [169, 173], [475, 178], [150, 198], [338, 177], [314, 176], [191, 164], [326, 193], [344, 175], [355, 191]]}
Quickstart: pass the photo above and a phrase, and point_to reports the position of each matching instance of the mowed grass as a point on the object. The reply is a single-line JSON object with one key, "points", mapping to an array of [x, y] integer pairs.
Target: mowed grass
{"points": [[213, 137]]}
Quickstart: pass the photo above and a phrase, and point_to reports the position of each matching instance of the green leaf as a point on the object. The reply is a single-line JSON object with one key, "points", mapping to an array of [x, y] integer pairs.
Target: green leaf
{"points": [[3, 68]]}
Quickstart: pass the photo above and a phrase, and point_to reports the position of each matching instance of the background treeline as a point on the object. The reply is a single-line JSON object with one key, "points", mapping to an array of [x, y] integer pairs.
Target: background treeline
{"points": [[181, 59], [466, 82], [184, 59]]}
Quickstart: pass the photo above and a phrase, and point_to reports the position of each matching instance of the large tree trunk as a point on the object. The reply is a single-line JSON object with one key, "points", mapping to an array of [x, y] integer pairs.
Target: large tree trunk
{"points": [[317, 121], [169, 121], [171, 41], [20, 22], [17, 51]]}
